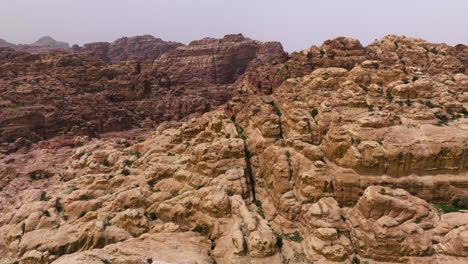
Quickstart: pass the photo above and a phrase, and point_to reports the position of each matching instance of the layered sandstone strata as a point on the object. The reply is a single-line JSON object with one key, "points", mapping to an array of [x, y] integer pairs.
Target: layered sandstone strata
{"points": [[142, 48], [62, 93], [346, 161]]}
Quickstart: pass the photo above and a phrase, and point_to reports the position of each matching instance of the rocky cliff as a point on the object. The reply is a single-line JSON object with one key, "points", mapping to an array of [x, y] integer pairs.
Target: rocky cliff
{"points": [[63, 93], [142, 48], [335, 154]]}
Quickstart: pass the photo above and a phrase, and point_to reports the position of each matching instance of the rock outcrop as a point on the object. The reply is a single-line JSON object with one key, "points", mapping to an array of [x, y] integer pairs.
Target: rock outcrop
{"points": [[336, 154], [141, 48], [63, 93]]}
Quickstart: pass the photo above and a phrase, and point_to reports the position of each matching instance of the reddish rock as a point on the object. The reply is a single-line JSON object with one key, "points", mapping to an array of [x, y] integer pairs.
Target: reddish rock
{"points": [[142, 48], [46, 95]]}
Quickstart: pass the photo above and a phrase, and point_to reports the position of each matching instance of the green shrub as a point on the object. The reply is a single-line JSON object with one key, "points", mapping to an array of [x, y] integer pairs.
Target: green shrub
{"points": [[447, 208], [152, 216], [363, 87], [72, 188], [322, 53], [389, 96], [258, 203], [128, 163], [295, 237], [430, 104], [314, 113], [137, 154], [279, 240]]}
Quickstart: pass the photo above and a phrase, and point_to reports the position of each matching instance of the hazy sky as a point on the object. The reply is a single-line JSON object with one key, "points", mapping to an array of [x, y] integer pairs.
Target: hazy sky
{"points": [[297, 24]]}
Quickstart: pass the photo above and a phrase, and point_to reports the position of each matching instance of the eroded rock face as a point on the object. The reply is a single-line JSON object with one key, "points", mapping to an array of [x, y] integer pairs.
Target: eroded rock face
{"points": [[391, 224], [47, 95], [339, 163], [433, 58], [141, 48]]}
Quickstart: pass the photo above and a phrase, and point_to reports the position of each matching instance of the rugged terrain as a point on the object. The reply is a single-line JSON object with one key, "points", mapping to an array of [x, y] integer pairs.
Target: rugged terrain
{"points": [[335, 154], [68, 93], [43, 44]]}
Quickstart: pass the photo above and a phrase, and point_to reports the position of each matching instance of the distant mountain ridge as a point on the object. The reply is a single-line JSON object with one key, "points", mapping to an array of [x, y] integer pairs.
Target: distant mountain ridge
{"points": [[43, 44]]}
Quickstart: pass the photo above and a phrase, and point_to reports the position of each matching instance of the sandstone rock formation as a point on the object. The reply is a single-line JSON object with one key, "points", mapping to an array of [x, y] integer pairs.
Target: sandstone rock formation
{"points": [[336, 154], [46, 95], [141, 48]]}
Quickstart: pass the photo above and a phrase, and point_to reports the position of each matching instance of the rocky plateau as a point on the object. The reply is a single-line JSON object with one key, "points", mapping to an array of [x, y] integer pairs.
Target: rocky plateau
{"points": [[233, 151]]}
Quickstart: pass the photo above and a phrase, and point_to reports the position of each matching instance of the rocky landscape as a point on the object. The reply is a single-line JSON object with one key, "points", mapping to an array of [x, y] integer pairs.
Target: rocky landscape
{"points": [[43, 44], [233, 151]]}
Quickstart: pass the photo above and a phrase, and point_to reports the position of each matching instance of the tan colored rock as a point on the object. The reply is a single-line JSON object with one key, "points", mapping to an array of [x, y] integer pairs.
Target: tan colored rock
{"points": [[389, 224], [157, 248]]}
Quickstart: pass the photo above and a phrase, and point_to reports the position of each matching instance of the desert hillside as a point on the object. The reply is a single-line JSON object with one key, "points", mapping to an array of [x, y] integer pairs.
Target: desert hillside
{"points": [[234, 151]]}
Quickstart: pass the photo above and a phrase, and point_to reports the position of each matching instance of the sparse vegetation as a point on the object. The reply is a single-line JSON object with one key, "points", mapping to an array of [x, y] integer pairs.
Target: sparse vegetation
{"points": [[447, 208], [106, 163], [276, 109], [443, 119], [356, 260], [151, 215], [314, 113], [389, 96], [363, 87], [279, 240], [430, 104], [38, 175], [258, 203], [58, 206], [128, 163], [136, 154], [322, 53], [72, 188], [464, 111], [125, 172], [294, 237]]}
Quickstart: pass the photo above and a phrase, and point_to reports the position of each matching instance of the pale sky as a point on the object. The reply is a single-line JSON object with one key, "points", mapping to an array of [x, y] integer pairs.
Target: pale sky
{"points": [[297, 24]]}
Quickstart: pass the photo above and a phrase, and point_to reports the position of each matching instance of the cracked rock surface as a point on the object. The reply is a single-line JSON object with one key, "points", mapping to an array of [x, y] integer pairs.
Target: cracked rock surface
{"points": [[335, 154]]}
